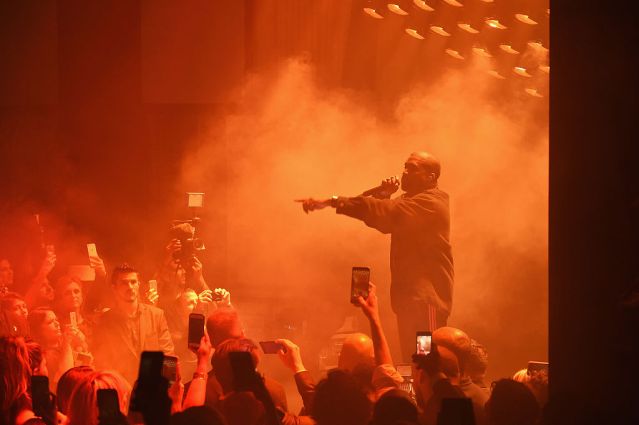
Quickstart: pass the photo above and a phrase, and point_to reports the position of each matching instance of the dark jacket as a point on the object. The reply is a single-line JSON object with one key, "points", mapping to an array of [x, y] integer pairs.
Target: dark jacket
{"points": [[114, 346], [421, 257]]}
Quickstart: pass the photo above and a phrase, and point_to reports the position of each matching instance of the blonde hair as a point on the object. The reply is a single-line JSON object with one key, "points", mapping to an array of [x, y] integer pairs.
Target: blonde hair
{"points": [[521, 376], [83, 404]]}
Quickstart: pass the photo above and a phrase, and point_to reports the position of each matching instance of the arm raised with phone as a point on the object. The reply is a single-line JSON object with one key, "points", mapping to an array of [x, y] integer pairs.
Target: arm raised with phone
{"points": [[370, 309]]}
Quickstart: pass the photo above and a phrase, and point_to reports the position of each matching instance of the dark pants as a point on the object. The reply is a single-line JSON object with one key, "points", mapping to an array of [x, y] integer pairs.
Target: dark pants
{"points": [[416, 317]]}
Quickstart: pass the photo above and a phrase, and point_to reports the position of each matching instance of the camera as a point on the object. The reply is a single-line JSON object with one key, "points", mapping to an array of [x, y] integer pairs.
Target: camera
{"points": [[184, 231]]}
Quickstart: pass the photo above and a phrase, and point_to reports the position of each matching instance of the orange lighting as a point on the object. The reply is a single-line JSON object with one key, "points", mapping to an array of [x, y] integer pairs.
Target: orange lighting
{"points": [[414, 33], [422, 5], [372, 13], [454, 3], [468, 28], [482, 52], [544, 68], [488, 1], [496, 74], [521, 72], [537, 45], [525, 19], [533, 92], [508, 49], [396, 9], [494, 23], [440, 31], [455, 54]]}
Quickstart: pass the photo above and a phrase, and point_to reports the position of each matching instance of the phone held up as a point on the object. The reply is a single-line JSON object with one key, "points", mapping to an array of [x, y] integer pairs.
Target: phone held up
{"points": [[360, 278], [108, 406], [272, 347], [40, 395], [196, 330], [424, 341], [534, 366]]}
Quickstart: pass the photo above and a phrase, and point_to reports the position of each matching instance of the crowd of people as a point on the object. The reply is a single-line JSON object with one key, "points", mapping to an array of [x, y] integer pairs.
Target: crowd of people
{"points": [[90, 338]]}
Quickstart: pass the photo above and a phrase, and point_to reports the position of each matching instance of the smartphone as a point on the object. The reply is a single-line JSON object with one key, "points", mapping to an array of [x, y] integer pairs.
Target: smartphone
{"points": [[196, 330], [537, 367], [243, 370], [91, 249], [153, 284], [424, 341], [40, 395], [456, 411], [272, 347], [360, 278], [108, 406], [169, 368], [151, 363], [195, 199]]}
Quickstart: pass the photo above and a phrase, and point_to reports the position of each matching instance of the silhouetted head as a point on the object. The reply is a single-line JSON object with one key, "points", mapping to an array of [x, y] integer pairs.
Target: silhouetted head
{"points": [[511, 403], [421, 171], [456, 341], [357, 350], [223, 324], [83, 404], [394, 406], [341, 400], [197, 415], [221, 360], [67, 383]]}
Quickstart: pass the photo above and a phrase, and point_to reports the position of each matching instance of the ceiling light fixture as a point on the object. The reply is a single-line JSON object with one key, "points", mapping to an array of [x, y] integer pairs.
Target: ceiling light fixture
{"points": [[468, 28], [521, 72], [439, 30], [525, 19], [413, 33], [508, 49], [396, 9], [423, 6], [372, 13], [455, 54], [494, 23]]}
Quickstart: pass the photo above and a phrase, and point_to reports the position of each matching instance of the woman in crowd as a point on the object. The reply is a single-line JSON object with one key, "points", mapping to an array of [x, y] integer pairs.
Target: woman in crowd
{"points": [[46, 331], [67, 383], [13, 315], [83, 405], [15, 403], [69, 299]]}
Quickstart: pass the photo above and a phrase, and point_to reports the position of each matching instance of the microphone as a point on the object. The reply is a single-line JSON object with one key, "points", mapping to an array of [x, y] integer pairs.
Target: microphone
{"points": [[381, 190]]}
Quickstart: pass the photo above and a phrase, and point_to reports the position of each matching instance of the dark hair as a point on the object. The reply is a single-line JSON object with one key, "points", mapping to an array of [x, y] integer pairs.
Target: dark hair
{"points": [[7, 327], [67, 383], [121, 269], [221, 363], [394, 406], [36, 318], [197, 415], [511, 403], [340, 400], [35, 355]]}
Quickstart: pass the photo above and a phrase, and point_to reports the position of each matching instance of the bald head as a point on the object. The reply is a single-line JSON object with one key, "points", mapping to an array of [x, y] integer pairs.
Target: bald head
{"points": [[456, 341], [421, 171], [427, 162], [356, 350]]}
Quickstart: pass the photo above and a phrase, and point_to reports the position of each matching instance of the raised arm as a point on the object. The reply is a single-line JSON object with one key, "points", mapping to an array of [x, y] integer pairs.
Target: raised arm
{"points": [[370, 309]]}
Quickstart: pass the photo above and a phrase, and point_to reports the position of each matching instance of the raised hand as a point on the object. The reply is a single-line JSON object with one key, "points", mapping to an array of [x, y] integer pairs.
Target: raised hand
{"points": [[222, 297], [389, 186], [291, 356], [369, 306]]}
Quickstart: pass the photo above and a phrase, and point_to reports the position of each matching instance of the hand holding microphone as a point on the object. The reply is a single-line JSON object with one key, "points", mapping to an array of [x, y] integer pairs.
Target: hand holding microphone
{"points": [[385, 189]]}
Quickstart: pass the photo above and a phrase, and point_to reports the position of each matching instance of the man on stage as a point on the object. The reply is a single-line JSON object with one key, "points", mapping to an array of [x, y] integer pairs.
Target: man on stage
{"points": [[421, 258]]}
